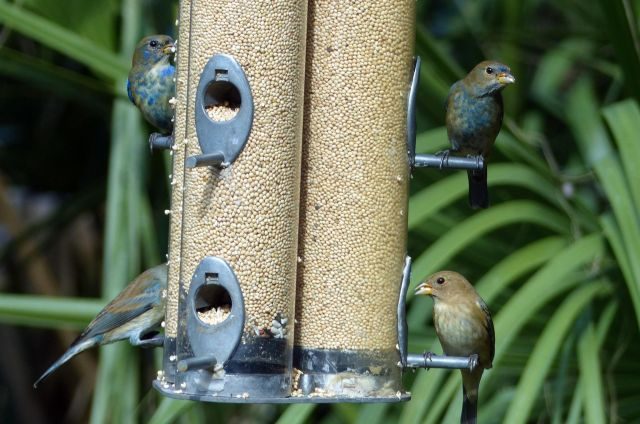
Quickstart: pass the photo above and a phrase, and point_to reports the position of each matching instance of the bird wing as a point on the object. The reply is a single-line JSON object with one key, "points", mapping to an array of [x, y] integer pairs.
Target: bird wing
{"points": [[452, 90], [129, 91], [488, 325], [138, 297]]}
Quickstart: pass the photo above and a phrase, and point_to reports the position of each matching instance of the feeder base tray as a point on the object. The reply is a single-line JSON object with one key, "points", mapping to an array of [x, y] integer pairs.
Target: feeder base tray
{"points": [[173, 392]]}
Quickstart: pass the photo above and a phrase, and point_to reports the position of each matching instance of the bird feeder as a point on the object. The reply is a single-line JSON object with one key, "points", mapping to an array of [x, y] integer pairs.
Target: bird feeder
{"points": [[287, 253], [235, 200]]}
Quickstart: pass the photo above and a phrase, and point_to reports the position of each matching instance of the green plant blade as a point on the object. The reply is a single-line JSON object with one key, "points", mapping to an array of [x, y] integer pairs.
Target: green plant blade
{"points": [[623, 120], [546, 349], [169, 410], [296, 414], [63, 40], [480, 224], [48, 312], [592, 381]]}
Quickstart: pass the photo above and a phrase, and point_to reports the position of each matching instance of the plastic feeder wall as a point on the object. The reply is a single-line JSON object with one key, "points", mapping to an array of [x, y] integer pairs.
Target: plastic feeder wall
{"points": [[235, 200], [355, 176]]}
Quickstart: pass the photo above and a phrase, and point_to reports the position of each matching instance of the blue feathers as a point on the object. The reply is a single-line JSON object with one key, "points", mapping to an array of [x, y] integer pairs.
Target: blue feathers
{"points": [[129, 92], [151, 83]]}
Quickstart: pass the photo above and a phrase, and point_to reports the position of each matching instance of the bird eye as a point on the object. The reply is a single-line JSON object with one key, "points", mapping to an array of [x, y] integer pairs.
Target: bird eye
{"points": [[440, 280], [489, 70], [153, 43]]}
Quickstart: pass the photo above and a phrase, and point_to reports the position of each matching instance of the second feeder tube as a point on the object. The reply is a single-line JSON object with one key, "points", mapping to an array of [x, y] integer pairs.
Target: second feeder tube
{"points": [[355, 176]]}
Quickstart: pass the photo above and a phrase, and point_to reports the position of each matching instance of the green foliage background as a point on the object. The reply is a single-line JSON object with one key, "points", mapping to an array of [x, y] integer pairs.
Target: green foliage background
{"points": [[556, 256]]}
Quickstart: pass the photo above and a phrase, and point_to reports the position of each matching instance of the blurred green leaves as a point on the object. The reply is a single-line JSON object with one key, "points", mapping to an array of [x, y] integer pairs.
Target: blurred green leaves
{"points": [[555, 257]]}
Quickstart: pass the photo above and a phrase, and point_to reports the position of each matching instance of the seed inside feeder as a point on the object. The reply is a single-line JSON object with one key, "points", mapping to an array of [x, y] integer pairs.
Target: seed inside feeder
{"points": [[214, 315], [222, 111]]}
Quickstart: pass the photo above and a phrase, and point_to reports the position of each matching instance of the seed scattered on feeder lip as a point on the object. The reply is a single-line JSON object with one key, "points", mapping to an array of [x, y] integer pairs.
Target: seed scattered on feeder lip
{"points": [[295, 380], [399, 395], [183, 385], [245, 395]]}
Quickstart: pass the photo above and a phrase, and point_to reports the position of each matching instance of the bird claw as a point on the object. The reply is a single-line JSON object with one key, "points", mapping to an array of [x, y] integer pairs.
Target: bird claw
{"points": [[444, 157], [473, 361], [428, 358], [479, 160]]}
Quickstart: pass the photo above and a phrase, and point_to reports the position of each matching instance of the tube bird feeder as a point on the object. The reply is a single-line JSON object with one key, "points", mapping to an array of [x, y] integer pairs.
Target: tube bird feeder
{"points": [[235, 200], [275, 223]]}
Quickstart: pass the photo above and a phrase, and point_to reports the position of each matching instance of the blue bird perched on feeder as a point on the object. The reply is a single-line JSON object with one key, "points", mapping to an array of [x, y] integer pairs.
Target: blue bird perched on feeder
{"points": [[474, 118], [151, 80], [131, 315]]}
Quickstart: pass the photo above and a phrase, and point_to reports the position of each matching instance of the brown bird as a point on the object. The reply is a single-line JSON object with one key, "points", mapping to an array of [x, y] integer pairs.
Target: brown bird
{"points": [[464, 326]]}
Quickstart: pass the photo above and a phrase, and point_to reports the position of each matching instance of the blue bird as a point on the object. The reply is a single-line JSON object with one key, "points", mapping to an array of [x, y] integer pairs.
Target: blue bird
{"points": [[474, 118], [132, 315], [151, 85]]}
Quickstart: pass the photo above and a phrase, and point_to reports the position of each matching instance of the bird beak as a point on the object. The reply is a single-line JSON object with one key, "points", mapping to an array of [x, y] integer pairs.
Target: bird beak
{"points": [[424, 289], [169, 48], [505, 78]]}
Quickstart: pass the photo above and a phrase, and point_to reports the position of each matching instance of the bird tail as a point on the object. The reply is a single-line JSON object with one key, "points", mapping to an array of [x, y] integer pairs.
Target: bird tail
{"points": [[77, 347], [478, 191], [469, 407]]}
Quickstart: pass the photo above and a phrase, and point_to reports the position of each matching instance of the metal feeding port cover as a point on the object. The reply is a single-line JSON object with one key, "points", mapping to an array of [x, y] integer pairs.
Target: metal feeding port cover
{"points": [[215, 314], [224, 112]]}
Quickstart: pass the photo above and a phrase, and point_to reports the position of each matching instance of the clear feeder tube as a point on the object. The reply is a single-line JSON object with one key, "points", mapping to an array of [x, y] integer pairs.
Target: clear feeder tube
{"points": [[234, 225]]}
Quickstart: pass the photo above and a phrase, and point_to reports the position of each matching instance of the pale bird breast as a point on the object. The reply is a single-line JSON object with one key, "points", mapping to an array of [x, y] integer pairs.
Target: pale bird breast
{"points": [[459, 334]]}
